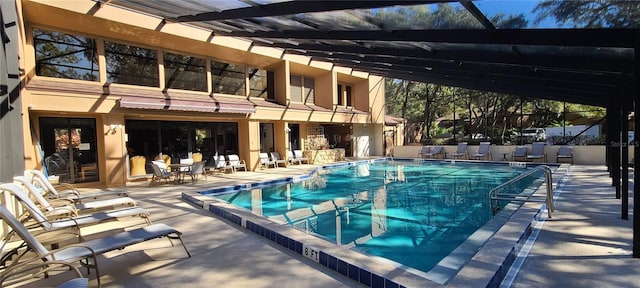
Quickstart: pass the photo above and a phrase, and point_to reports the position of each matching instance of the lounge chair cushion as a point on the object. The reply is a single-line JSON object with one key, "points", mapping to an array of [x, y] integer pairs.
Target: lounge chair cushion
{"points": [[99, 217], [116, 241]]}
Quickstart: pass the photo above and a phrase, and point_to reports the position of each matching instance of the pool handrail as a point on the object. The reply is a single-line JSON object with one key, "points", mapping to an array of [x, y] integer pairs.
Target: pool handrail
{"points": [[494, 195]]}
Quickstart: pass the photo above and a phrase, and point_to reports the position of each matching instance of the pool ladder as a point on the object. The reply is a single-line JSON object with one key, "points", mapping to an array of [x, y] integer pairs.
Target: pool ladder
{"points": [[495, 196]]}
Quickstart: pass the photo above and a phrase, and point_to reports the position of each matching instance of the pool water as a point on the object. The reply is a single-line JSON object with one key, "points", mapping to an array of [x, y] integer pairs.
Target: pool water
{"points": [[413, 213]]}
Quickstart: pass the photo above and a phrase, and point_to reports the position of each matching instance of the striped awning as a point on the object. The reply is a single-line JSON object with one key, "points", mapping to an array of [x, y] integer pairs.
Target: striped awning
{"points": [[199, 105]]}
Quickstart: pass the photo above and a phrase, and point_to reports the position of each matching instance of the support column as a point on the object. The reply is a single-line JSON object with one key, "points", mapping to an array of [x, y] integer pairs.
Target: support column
{"points": [[608, 139], [249, 145], [281, 137], [615, 148], [636, 150], [624, 150]]}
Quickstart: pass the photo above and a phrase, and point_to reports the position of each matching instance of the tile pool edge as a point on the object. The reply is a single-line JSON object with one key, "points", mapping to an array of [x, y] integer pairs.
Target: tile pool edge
{"points": [[486, 268], [493, 258]]}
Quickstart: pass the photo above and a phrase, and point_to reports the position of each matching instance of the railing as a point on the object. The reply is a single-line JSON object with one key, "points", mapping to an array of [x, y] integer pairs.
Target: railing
{"points": [[495, 196]]}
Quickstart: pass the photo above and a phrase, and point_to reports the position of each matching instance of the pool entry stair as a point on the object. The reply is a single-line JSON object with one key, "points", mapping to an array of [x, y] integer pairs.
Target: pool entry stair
{"points": [[495, 194]]}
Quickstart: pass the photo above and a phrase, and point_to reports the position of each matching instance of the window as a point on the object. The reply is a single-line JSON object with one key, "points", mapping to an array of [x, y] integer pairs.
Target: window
{"points": [[228, 78], [296, 88], [344, 95], [177, 139], [185, 72], [309, 90], [66, 56], [302, 89], [132, 65], [262, 83]]}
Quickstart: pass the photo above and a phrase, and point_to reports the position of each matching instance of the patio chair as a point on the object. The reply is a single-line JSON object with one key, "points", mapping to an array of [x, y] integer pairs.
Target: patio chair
{"points": [[291, 158], [76, 208], [300, 157], [197, 157], [196, 170], [519, 154], [236, 163], [461, 152], [424, 151], [275, 157], [436, 151], [165, 158], [138, 165], [84, 253], [160, 171], [52, 224], [484, 150], [565, 153], [537, 152], [69, 192], [265, 162]]}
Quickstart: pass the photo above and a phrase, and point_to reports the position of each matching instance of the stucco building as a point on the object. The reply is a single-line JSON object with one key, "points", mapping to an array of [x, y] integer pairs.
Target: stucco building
{"points": [[100, 84]]}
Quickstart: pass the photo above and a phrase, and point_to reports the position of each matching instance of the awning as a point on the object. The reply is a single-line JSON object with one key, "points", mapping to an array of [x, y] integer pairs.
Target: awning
{"points": [[204, 105]]}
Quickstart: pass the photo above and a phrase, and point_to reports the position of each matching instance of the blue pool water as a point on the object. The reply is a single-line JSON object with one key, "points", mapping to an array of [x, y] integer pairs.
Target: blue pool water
{"points": [[413, 213]]}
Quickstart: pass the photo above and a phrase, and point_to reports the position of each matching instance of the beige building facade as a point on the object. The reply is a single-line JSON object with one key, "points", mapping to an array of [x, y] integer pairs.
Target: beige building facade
{"points": [[103, 84]]}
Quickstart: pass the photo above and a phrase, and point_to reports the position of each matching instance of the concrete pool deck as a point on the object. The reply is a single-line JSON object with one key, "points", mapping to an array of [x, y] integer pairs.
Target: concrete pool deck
{"points": [[584, 244]]}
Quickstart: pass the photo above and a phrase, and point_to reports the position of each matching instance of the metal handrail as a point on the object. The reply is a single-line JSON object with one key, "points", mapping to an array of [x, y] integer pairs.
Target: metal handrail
{"points": [[494, 195]]}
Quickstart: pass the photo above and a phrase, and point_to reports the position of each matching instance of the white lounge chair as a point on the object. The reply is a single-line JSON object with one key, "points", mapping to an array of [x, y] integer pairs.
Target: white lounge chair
{"points": [[484, 150], [275, 157], [77, 208], [236, 163], [222, 165], [86, 251], [461, 152], [265, 162], [537, 152], [300, 157], [291, 158], [42, 221], [69, 192]]}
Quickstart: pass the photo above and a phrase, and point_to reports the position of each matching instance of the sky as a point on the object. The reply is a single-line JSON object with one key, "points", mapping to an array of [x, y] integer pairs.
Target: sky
{"points": [[515, 7]]}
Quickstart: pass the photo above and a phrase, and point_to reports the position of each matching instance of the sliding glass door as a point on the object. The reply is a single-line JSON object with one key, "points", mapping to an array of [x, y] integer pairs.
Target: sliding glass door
{"points": [[69, 148]]}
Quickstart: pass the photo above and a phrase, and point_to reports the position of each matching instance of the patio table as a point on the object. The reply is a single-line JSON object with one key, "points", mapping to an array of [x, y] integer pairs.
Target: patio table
{"points": [[178, 168]]}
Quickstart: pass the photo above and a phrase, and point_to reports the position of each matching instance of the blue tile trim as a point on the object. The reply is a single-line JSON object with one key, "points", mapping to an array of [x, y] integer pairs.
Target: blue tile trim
{"points": [[377, 281], [354, 273], [343, 268], [192, 200], [332, 263], [323, 259], [365, 277], [390, 284]]}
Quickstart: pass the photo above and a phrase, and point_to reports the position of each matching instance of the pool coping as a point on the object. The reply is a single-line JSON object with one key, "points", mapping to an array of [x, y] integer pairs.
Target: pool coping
{"points": [[486, 268]]}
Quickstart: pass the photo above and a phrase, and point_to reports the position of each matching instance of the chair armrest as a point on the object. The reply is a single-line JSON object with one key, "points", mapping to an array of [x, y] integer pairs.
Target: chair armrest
{"points": [[43, 268]]}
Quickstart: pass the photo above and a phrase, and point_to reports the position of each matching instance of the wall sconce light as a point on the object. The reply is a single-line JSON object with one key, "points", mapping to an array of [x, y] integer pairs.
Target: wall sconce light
{"points": [[287, 129], [113, 128]]}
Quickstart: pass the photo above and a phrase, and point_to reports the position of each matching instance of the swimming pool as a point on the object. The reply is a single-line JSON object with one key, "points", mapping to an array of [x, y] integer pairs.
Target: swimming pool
{"points": [[414, 213]]}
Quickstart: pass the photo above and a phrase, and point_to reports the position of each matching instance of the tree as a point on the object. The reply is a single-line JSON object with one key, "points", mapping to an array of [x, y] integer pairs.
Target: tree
{"points": [[64, 55], [591, 14]]}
